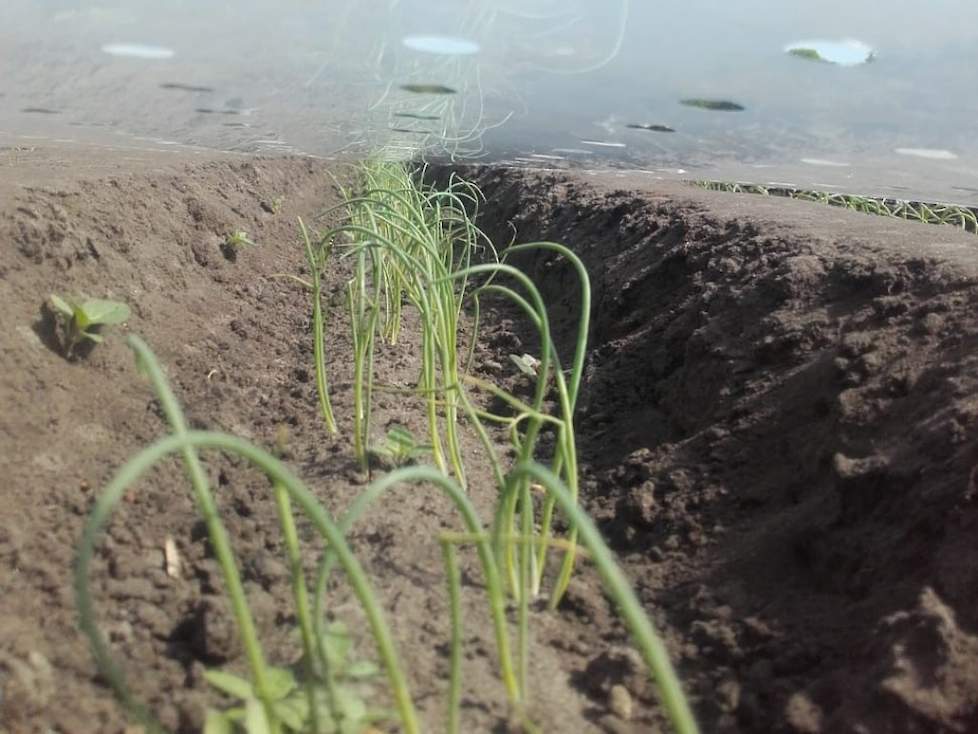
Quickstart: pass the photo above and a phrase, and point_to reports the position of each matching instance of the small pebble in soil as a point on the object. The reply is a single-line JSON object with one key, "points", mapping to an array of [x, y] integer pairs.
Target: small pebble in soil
{"points": [[620, 702]]}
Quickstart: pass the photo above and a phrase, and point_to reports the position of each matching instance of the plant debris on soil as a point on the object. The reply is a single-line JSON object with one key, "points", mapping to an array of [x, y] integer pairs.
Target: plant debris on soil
{"points": [[778, 427]]}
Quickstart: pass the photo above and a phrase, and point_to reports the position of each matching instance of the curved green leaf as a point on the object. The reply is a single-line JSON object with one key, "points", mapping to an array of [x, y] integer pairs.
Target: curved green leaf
{"points": [[229, 683], [98, 311], [216, 722], [63, 306]]}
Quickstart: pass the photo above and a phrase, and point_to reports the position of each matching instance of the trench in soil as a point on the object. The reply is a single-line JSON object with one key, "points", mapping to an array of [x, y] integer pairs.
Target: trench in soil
{"points": [[777, 431]]}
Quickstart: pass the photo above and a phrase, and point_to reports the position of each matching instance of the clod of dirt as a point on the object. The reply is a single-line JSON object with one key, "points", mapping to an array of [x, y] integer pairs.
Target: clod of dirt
{"points": [[210, 631], [926, 679], [229, 251], [619, 667], [932, 671], [267, 571]]}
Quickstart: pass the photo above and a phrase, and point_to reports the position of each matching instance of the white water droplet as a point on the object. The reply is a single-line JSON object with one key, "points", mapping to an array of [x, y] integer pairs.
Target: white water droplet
{"points": [[444, 45], [934, 154], [603, 144], [824, 162], [138, 51]]}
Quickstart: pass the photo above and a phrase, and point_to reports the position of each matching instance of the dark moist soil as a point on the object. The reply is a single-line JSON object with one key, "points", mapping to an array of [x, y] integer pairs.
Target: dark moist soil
{"points": [[778, 428]]}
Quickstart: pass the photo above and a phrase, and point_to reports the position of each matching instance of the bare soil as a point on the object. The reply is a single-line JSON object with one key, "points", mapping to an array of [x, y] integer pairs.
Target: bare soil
{"points": [[778, 428]]}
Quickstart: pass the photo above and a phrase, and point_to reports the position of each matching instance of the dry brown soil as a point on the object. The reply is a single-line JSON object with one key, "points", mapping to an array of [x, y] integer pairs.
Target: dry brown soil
{"points": [[778, 427]]}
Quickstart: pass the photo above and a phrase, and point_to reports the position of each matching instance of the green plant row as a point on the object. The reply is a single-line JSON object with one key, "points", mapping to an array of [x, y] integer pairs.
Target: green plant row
{"points": [[268, 705], [958, 216], [410, 245], [414, 244]]}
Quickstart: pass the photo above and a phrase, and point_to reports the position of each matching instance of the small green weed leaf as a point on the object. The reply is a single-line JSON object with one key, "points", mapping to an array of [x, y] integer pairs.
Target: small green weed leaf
{"points": [[239, 238], [527, 364], [293, 712], [401, 436], [400, 446], [76, 320], [97, 311], [255, 721], [336, 641], [281, 682], [351, 706], [351, 726], [63, 306], [216, 722], [229, 683]]}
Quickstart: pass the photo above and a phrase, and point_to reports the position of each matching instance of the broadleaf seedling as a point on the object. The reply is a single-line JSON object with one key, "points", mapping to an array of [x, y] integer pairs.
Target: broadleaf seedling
{"points": [[527, 363], [235, 241], [400, 447], [239, 238], [81, 320], [342, 704]]}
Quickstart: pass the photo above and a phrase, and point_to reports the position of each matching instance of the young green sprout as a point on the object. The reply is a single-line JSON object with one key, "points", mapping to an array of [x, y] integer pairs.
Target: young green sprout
{"points": [[238, 238], [400, 447], [527, 363], [234, 242], [81, 320]]}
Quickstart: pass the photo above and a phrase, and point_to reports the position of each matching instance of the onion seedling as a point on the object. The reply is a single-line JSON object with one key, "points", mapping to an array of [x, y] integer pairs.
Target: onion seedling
{"points": [[316, 263], [417, 237]]}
